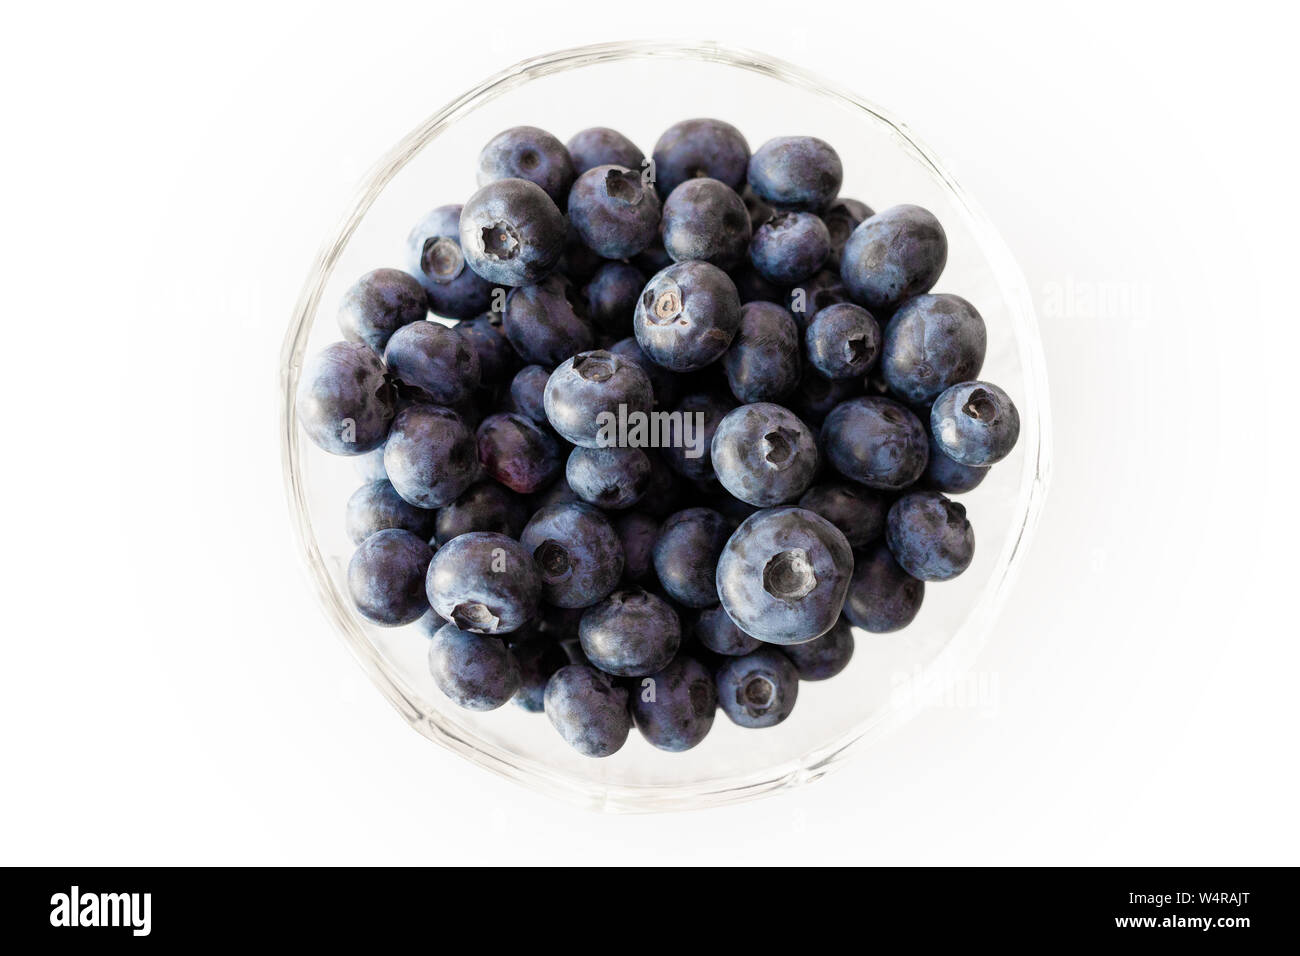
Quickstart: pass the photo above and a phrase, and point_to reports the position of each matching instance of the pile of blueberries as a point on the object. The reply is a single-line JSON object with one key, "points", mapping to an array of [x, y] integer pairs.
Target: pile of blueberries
{"points": [[835, 402]]}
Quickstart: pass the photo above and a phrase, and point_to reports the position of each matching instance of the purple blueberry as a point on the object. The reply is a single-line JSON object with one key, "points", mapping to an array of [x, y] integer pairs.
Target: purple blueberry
{"points": [[614, 213], [577, 552], [858, 512], [950, 477], [484, 582], [475, 672], [790, 247], [796, 172], [686, 555], [700, 147], [717, 632], [377, 506], [975, 423], [528, 153], [759, 689], [526, 390], [929, 536], [894, 255], [706, 220], [544, 324], [632, 633], [931, 343], [612, 478], [484, 506], [511, 233], [589, 393], [764, 455], [380, 303], [601, 146], [588, 709], [762, 364], [876, 441], [823, 657], [674, 708], [843, 341], [435, 359], [345, 399], [517, 452], [386, 577], [687, 316], [611, 295], [882, 596], [435, 258], [430, 455]]}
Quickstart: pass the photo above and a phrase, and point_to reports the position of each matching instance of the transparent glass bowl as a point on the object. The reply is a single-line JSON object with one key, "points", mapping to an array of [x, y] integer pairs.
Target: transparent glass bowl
{"points": [[641, 89]]}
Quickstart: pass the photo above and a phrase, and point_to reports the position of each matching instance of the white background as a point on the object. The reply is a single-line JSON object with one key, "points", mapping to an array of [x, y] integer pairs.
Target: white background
{"points": [[169, 691]]}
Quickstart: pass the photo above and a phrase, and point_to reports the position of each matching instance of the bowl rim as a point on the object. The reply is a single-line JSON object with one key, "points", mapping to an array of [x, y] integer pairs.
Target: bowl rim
{"points": [[935, 678]]}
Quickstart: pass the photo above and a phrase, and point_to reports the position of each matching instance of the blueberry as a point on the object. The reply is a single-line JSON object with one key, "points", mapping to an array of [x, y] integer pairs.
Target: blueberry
{"points": [[783, 575], [386, 577], [528, 153], [790, 247], [796, 172], [370, 466], [705, 219], [484, 582], [808, 298], [663, 383], [638, 532], [377, 506], [435, 258], [975, 423], [556, 493], [588, 394], [526, 390], [345, 399], [614, 213], [843, 341], [759, 689], [475, 672], [613, 478], [950, 477], [716, 631], [430, 456], [686, 555], [664, 490], [687, 316], [764, 455], [931, 343], [538, 657], [517, 452], [700, 147], [675, 707], [823, 657], [816, 395], [588, 709], [858, 512], [601, 146], [437, 360], [380, 303], [577, 552], [544, 324], [759, 211], [841, 218], [929, 536], [762, 364], [611, 297], [484, 506], [877, 442], [496, 356], [882, 596], [511, 233], [893, 256], [654, 258], [700, 415], [631, 633], [752, 287]]}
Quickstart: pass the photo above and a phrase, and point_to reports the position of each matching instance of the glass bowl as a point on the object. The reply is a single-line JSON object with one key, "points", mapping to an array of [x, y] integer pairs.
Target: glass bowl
{"points": [[641, 89]]}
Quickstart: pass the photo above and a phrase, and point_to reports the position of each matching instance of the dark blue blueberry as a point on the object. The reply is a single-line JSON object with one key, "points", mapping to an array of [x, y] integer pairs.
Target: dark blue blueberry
{"points": [[759, 689], [820, 292], [816, 395], [579, 262], [588, 709], [386, 577], [370, 466], [705, 219], [484, 582], [843, 341], [631, 633], [686, 555], [526, 390], [674, 708], [517, 452], [435, 258], [929, 536], [638, 532], [611, 297], [841, 218], [700, 147], [380, 303], [587, 395], [544, 324], [614, 212], [882, 596], [932, 342], [475, 672], [436, 359], [577, 552], [858, 512], [699, 416], [876, 441], [377, 506], [790, 247], [511, 233], [663, 383], [950, 477], [496, 356], [529, 153], [762, 364], [687, 316], [759, 211], [715, 629], [823, 657], [430, 456], [893, 256], [783, 575], [796, 172], [484, 506], [538, 657], [345, 399], [613, 478], [764, 455], [602, 146], [975, 423]]}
